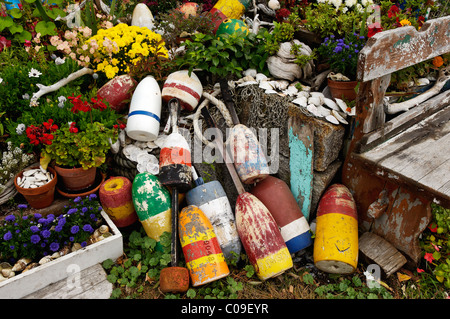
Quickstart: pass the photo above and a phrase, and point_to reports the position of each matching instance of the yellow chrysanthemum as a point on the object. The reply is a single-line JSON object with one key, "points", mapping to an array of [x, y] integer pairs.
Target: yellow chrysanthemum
{"points": [[405, 22]]}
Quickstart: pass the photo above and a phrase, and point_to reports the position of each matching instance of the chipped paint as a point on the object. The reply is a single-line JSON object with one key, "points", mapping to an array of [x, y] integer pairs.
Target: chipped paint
{"points": [[300, 164]]}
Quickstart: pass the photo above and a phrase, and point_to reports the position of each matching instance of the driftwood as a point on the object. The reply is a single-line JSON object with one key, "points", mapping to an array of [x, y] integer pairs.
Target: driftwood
{"points": [[54, 87]]}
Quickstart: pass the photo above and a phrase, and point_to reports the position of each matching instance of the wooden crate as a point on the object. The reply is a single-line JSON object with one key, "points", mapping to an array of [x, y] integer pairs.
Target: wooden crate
{"points": [[63, 267]]}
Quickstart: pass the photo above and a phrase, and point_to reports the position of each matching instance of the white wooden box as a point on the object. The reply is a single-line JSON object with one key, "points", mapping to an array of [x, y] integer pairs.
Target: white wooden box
{"points": [[63, 267]]}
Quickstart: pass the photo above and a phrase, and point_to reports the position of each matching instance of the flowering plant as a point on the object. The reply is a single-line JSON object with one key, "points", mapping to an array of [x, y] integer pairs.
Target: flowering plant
{"points": [[342, 53], [12, 162], [112, 51], [72, 147], [35, 236], [41, 134]]}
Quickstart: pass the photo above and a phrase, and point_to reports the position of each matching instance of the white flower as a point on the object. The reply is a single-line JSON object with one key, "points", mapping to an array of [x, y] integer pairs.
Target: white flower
{"points": [[61, 100], [366, 3], [1, 80], [26, 96], [34, 73], [336, 3], [20, 128], [59, 61], [350, 3]]}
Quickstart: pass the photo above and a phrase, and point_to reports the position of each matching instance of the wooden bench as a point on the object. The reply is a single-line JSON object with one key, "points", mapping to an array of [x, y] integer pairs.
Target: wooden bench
{"points": [[395, 169]]}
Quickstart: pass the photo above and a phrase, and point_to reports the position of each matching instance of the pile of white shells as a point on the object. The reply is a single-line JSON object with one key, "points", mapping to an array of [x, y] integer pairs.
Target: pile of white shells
{"points": [[334, 111], [24, 264], [33, 178], [139, 152]]}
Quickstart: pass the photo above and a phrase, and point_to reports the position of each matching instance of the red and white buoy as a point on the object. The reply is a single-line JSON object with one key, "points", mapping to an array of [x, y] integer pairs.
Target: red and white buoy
{"points": [[186, 88]]}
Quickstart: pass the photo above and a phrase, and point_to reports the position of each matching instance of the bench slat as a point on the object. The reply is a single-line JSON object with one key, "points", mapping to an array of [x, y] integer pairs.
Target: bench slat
{"points": [[396, 49]]}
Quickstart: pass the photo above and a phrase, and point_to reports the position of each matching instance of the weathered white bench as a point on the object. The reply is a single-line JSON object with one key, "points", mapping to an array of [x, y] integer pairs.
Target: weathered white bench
{"points": [[396, 168]]}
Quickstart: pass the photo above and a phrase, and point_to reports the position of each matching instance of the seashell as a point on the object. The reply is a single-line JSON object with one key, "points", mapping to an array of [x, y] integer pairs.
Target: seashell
{"points": [[338, 77], [331, 104], [313, 109], [55, 255], [64, 251], [34, 186], [19, 180], [260, 77], [76, 246], [6, 272], [29, 172], [323, 111], [314, 100], [103, 229], [301, 100], [338, 117], [282, 70], [45, 260], [342, 105], [332, 119], [303, 93], [281, 84], [30, 266], [291, 90], [270, 91], [43, 170], [352, 112], [2, 278], [247, 83], [274, 4], [251, 72], [266, 85], [21, 264], [5, 265]]}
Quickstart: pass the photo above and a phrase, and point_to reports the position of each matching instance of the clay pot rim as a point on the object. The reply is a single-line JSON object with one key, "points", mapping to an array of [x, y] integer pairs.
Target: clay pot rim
{"points": [[32, 191]]}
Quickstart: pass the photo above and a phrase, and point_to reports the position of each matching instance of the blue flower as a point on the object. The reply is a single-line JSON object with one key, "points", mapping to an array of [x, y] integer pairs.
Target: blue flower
{"points": [[83, 244], [34, 229], [35, 239], [54, 246], [84, 209], [10, 218], [22, 206], [46, 233], [71, 238], [92, 196], [17, 231], [337, 49], [24, 217], [11, 247], [88, 228], [61, 221], [74, 229], [71, 211], [58, 228], [77, 200], [37, 215], [7, 236]]}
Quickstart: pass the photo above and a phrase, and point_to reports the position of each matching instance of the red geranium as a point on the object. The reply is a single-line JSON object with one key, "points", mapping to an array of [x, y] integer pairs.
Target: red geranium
{"points": [[72, 128], [41, 134], [393, 10], [4, 43], [98, 103], [84, 106]]}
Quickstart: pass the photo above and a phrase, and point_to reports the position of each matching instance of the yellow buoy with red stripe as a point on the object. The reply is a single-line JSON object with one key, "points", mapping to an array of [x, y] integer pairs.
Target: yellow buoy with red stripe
{"points": [[201, 249], [116, 198], [336, 240]]}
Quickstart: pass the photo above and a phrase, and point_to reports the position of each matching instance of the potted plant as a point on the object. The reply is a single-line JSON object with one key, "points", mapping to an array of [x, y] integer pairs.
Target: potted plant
{"points": [[77, 154], [342, 56]]}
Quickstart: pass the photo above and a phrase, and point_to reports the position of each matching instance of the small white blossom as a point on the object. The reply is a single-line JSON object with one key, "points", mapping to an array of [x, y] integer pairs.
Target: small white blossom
{"points": [[26, 96], [34, 73], [61, 100], [1, 80], [350, 3], [59, 61], [20, 128]]}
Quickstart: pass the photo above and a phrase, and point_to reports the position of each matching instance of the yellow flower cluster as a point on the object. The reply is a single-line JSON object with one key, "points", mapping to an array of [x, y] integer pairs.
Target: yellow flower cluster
{"points": [[112, 50]]}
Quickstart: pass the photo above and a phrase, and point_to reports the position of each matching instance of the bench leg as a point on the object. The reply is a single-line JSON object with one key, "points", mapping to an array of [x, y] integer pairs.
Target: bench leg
{"points": [[392, 211]]}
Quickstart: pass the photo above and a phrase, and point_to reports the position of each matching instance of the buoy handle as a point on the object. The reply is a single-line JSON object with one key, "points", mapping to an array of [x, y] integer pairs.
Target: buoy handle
{"points": [[198, 180], [174, 106]]}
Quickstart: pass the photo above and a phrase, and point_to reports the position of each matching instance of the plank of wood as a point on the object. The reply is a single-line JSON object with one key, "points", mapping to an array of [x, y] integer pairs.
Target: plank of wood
{"points": [[381, 252], [90, 283], [419, 154], [403, 121], [301, 162], [395, 49]]}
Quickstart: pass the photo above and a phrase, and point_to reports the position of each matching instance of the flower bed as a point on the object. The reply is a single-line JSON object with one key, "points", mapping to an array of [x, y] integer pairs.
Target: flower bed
{"points": [[53, 244]]}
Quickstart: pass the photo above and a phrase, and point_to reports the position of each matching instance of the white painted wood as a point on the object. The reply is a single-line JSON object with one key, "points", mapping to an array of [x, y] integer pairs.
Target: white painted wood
{"points": [[56, 270]]}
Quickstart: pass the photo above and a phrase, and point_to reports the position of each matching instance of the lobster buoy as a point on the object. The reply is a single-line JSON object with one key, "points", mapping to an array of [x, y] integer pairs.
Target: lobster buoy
{"points": [[145, 111], [186, 88], [118, 92], [188, 9], [261, 238], [11, 4], [336, 239], [201, 249], [152, 203], [277, 197], [117, 201], [213, 202], [232, 26], [248, 155], [223, 9]]}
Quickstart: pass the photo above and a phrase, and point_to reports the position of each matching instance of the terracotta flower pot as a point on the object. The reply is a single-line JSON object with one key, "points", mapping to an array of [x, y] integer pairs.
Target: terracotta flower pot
{"points": [[344, 90], [75, 179], [39, 197]]}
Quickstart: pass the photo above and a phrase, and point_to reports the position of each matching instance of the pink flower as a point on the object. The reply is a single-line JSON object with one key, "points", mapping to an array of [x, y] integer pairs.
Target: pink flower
{"points": [[420, 270], [27, 43], [428, 257]]}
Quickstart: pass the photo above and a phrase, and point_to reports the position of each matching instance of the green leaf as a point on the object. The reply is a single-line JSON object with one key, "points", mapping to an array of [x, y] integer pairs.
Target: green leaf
{"points": [[46, 28], [15, 13], [436, 255], [111, 278], [191, 293], [23, 36], [5, 22], [308, 279], [17, 28], [107, 264]]}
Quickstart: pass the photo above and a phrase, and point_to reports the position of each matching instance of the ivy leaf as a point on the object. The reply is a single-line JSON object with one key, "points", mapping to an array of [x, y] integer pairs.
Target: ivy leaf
{"points": [[5, 22], [15, 13]]}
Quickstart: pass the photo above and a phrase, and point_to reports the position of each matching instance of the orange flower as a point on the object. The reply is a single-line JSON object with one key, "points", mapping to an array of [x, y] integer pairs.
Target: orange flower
{"points": [[438, 61]]}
